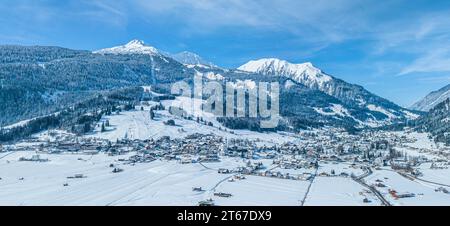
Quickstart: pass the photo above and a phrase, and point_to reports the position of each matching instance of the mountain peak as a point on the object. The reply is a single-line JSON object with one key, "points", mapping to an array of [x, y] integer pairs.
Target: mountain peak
{"points": [[136, 42], [275, 63], [304, 73], [133, 47]]}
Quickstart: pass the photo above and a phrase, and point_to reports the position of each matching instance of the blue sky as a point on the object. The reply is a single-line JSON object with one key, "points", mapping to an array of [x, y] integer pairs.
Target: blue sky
{"points": [[397, 49]]}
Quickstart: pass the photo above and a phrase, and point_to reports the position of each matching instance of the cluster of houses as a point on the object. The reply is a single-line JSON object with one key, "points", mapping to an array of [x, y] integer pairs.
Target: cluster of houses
{"points": [[296, 163], [307, 152], [277, 174], [34, 158]]}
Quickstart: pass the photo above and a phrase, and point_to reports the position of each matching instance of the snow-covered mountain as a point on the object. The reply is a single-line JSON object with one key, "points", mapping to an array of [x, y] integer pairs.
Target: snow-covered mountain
{"points": [[132, 47], [304, 73], [308, 97], [139, 47], [189, 58], [45, 79], [314, 78], [432, 99]]}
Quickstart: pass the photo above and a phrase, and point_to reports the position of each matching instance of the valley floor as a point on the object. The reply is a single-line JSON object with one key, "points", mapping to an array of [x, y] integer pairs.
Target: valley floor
{"points": [[155, 183], [163, 182]]}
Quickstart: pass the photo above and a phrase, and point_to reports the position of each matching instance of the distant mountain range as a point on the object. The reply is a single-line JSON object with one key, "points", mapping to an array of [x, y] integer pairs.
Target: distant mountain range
{"points": [[437, 122], [139, 47], [304, 73], [189, 58], [432, 99], [40, 80], [354, 96]]}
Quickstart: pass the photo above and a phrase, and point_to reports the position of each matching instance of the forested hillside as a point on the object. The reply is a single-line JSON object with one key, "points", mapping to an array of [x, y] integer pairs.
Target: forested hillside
{"points": [[437, 122], [39, 80]]}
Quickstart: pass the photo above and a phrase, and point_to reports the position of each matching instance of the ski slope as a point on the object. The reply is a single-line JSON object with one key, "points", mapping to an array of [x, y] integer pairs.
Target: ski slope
{"points": [[136, 124]]}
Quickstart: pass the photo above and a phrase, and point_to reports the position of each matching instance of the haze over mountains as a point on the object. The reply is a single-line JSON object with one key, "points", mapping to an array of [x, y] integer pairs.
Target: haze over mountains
{"points": [[190, 58], [40, 80]]}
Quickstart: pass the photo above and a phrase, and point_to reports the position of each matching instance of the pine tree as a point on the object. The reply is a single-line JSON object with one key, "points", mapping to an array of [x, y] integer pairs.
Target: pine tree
{"points": [[86, 127], [152, 114]]}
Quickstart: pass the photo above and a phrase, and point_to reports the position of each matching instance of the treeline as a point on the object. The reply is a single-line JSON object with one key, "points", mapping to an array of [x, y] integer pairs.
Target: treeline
{"points": [[252, 124]]}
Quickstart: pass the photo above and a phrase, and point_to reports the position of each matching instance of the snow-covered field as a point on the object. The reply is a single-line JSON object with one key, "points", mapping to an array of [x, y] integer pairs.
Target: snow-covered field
{"points": [[155, 183], [262, 191], [338, 191], [425, 193], [170, 183], [436, 175], [421, 141]]}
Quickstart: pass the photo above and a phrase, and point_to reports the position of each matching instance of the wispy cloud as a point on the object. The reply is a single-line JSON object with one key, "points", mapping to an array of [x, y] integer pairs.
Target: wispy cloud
{"points": [[112, 13], [420, 37], [422, 40], [362, 40], [24, 13], [319, 21], [437, 60]]}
